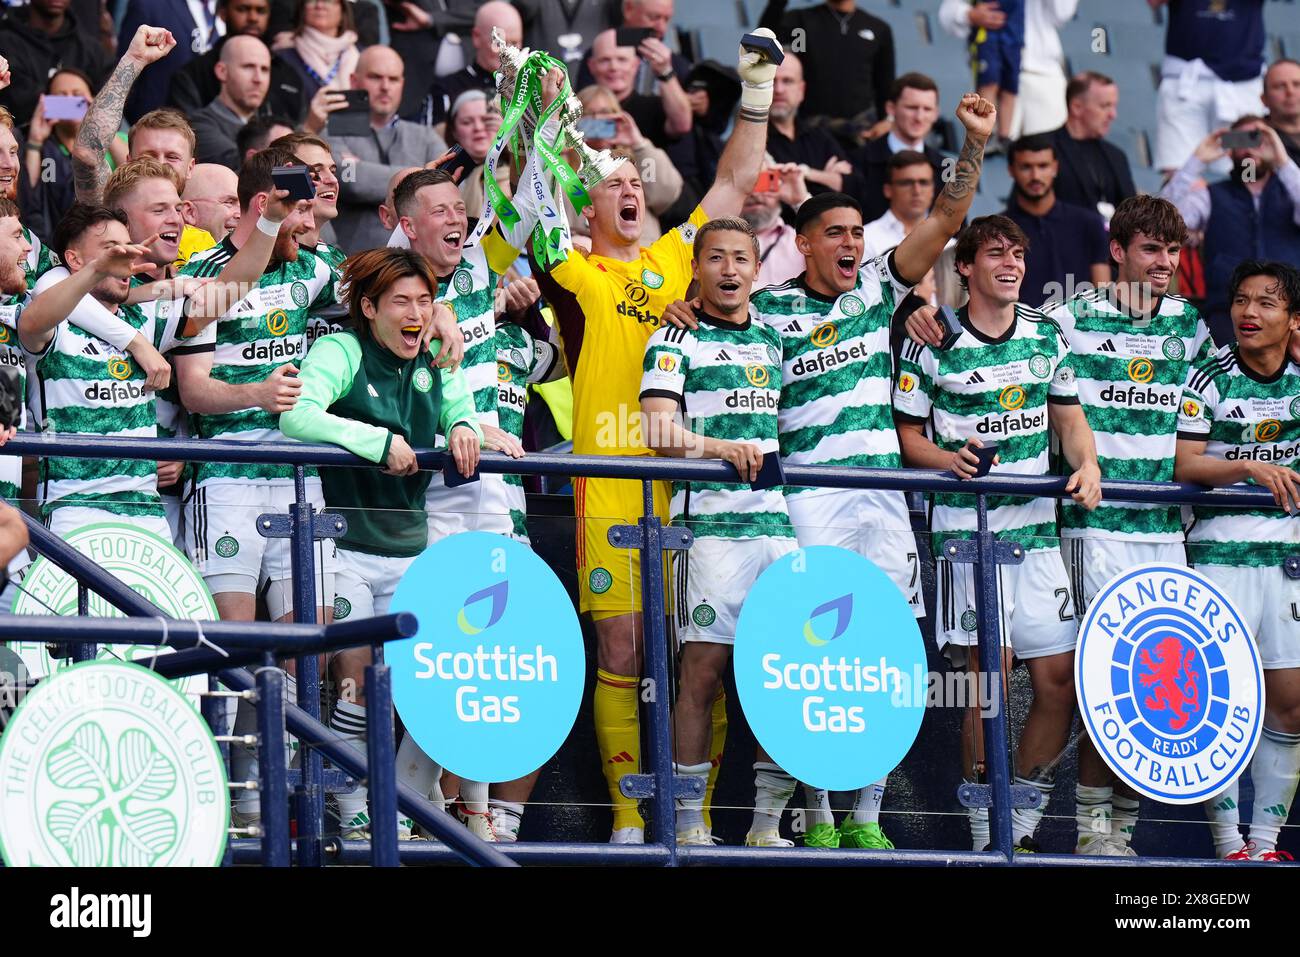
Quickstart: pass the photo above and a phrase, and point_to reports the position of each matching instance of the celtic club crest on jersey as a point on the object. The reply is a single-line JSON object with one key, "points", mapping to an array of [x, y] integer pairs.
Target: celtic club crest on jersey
{"points": [[1169, 683]]}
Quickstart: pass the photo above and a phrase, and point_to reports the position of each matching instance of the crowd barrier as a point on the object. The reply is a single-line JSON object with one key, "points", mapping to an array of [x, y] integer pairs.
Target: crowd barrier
{"points": [[226, 650]]}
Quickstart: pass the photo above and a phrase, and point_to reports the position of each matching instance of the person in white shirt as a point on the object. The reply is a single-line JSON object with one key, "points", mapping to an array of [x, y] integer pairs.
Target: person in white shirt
{"points": [[1041, 104], [909, 187]]}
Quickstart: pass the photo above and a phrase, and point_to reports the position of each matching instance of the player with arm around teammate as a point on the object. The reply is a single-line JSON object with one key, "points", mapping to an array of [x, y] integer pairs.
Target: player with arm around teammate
{"points": [[1239, 421]]}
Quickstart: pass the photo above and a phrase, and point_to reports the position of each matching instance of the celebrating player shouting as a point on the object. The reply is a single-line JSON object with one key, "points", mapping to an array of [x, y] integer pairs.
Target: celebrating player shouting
{"points": [[608, 304], [1007, 379], [1239, 421]]}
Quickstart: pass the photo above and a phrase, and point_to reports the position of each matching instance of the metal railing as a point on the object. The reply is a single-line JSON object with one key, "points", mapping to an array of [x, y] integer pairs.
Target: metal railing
{"points": [[246, 644]]}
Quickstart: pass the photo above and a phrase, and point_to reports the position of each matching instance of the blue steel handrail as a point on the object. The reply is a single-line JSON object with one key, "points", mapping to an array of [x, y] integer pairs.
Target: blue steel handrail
{"points": [[304, 720]]}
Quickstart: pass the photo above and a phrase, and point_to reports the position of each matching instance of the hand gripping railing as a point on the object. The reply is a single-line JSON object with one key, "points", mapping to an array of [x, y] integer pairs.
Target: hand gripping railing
{"points": [[246, 644]]}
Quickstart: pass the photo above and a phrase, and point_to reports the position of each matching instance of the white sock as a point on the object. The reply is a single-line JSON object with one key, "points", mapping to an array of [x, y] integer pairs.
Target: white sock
{"points": [[474, 796], [507, 821], [243, 759], [819, 806], [1225, 820], [1092, 812], [690, 811], [349, 720], [866, 805], [1275, 769], [1124, 816], [1024, 821], [773, 789], [417, 769], [980, 836]]}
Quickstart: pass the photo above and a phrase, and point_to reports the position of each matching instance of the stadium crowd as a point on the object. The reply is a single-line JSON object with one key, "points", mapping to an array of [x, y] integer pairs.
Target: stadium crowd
{"points": [[759, 213]]}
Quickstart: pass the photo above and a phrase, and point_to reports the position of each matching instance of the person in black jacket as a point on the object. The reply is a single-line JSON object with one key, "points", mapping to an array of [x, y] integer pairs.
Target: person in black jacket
{"points": [[195, 85], [1094, 173], [37, 39], [913, 108]]}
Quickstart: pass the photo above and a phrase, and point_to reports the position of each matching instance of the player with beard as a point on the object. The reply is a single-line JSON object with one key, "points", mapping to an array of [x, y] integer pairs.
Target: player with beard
{"points": [[1133, 344], [1239, 421], [40, 258], [608, 304]]}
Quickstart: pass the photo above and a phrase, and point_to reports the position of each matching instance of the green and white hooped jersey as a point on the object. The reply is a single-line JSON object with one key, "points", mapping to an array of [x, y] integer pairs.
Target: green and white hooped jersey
{"points": [[1242, 416], [327, 319], [1130, 376], [84, 386], [11, 354], [40, 260], [260, 333], [471, 293], [726, 380], [996, 391], [521, 360], [837, 376]]}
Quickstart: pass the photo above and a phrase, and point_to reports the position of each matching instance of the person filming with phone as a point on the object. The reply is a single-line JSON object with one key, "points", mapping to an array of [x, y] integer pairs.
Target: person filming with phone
{"points": [[1257, 209]]}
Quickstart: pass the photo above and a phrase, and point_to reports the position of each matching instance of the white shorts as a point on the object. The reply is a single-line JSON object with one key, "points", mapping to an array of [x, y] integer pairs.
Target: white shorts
{"points": [[1094, 561], [1036, 608], [175, 519], [66, 520], [222, 540], [711, 580], [481, 506], [364, 584], [1270, 604], [1191, 104], [873, 523]]}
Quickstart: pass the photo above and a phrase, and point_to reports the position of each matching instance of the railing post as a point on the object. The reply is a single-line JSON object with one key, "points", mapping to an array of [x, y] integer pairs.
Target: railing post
{"points": [[83, 652], [656, 659], [310, 803], [381, 762], [214, 713], [272, 772], [990, 648]]}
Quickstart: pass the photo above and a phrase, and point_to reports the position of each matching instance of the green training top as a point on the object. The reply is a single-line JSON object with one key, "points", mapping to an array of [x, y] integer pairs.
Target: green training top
{"points": [[357, 394]]}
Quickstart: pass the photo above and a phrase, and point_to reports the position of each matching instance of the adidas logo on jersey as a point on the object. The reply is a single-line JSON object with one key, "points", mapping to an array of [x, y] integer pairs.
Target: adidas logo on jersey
{"points": [[371, 389], [794, 326], [277, 349], [975, 378], [722, 356], [90, 350], [1011, 424], [1106, 346], [752, 400], [1236, 413], [1135, 396]]}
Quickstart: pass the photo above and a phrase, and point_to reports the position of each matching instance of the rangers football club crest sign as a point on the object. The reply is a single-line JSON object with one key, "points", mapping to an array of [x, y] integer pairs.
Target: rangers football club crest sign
{"points": [[1169, 683]]}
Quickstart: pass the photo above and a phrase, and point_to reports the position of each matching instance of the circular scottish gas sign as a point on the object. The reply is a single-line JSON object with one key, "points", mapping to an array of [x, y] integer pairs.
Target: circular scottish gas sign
{"points": [[830, 668], [1169, 683]]}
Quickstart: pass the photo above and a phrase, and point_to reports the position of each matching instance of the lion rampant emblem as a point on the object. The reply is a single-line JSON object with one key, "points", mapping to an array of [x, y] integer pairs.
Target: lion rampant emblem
{"points": [[1168, 694]]}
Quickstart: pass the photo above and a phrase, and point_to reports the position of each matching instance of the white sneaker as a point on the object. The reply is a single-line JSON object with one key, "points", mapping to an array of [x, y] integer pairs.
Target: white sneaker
{"points": [[479, 824], [769, 838], [406, 830], [628, 835], [1109, 845], [504, 824], [698, 836], [356, 828]]}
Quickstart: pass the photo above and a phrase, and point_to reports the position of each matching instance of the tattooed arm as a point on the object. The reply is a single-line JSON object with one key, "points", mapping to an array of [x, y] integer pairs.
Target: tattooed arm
{"points": [[100, 125], [917, 253]]}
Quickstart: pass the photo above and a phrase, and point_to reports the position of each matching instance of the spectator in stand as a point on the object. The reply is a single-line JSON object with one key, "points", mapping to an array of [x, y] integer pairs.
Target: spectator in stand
{"points": [[244, 72], [663, 118], [1255, 213], [1068, 245], [322, 49], [1093, 173], [995, 56], [713, 90], [195, 27], [661, 182], [909, 191], [473, 125], [654, 15], [779, 259], [823, 161], [259, 132], [912, 108], [850, 66], [478, 75], [565, 28], [36, 40], [367, 162], [1282, 99], [211, 200], [195, 85], [1040, 106], [48, 156], [1214, 58]]}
